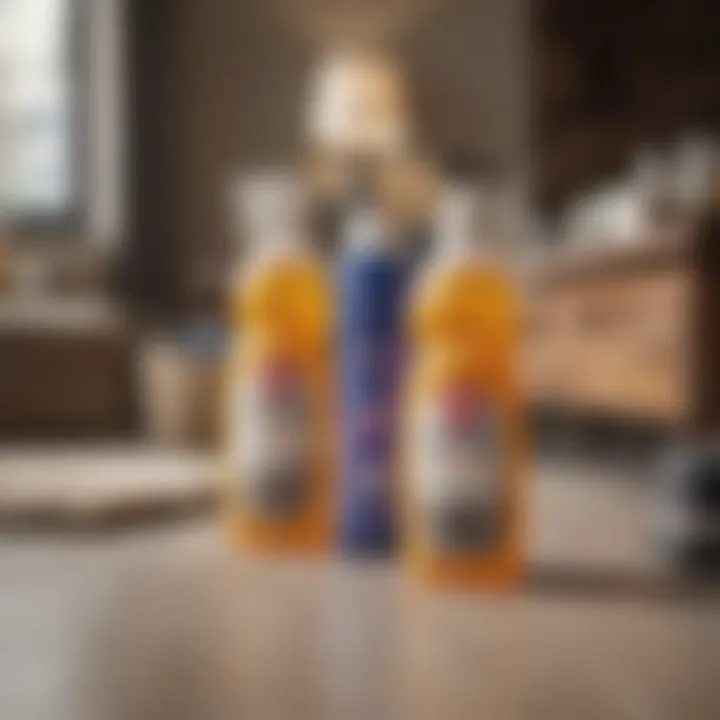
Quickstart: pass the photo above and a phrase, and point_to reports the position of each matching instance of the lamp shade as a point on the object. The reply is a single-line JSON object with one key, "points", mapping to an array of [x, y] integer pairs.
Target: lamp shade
{"points": [[358, 105]]}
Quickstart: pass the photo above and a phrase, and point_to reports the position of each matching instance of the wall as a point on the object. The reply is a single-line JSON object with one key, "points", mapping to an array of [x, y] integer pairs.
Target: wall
{"points": [[219, 85], [612, 75]]}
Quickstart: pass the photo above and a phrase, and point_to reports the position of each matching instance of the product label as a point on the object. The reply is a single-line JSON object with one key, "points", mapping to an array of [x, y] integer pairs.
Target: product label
{"points": [[370, 441], [275, 446], [458, 470]]}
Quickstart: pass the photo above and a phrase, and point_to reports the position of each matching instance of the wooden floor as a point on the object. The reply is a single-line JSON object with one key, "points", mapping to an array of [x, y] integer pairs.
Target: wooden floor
{"points": [[168, 623]]}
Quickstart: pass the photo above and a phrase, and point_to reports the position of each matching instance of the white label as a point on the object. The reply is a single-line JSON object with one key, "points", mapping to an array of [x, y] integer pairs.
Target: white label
{"points": [[457, 469], [274, 450]]}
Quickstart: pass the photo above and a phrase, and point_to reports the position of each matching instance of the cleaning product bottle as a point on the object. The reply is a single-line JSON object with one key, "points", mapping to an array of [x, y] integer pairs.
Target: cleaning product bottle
{"points": [[278, 454], [371, 299], [463, 450]]}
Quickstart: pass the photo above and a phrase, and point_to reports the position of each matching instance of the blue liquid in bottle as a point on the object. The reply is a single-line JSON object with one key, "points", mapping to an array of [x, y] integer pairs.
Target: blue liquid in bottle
{"points": [[371, 293]]}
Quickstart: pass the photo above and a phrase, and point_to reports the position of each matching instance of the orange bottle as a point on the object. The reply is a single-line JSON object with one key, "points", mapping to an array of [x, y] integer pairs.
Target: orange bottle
{"points": [[463, 441], [277, 455]]}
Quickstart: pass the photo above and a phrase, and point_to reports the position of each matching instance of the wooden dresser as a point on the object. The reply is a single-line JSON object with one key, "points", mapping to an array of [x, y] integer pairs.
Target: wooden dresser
{"points": [[623, 334]]}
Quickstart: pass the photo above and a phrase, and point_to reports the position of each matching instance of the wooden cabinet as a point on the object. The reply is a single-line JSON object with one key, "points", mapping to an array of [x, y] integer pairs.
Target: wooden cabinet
{"points": [[66, 369], [613, 336]]}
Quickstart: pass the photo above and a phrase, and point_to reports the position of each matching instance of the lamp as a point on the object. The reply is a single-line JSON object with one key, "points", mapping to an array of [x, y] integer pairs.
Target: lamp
{"points": [[358, 106], [359, 132]]}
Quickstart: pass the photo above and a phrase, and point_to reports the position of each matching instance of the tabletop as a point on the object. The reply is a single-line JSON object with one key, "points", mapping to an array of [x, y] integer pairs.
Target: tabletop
{"points": [[168, 622]]}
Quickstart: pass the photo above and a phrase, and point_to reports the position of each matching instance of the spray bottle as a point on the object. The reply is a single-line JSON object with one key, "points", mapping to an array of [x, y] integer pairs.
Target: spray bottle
{"points": [[371, 301]]}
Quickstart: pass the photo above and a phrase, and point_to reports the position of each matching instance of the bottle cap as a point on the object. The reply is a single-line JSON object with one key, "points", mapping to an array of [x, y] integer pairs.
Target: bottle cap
{"points": [[365, 226], [269, 205], [457, 218]]}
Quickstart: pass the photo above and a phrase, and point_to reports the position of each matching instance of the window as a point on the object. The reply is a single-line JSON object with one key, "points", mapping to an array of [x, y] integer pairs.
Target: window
{"points": [[39, 91]]}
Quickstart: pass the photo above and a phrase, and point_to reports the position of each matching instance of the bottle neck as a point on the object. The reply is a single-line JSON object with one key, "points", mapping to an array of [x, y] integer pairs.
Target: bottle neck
{"points": [[285, 241], [460, 245]]}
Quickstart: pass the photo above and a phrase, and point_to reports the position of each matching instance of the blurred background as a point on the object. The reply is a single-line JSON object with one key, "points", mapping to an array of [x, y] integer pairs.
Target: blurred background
{"points": [[124, 126]]}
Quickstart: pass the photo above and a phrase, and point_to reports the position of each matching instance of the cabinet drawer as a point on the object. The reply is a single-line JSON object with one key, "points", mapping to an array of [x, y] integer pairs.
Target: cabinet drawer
{"points": [[613, 344]]}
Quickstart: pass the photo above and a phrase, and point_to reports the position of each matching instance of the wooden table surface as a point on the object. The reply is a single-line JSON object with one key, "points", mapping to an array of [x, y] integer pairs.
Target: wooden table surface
{"points": [[168, 623]]}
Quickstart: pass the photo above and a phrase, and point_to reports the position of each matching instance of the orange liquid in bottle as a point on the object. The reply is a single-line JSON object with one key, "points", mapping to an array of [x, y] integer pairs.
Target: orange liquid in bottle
{"points": [[278, 454], [464, 452]]}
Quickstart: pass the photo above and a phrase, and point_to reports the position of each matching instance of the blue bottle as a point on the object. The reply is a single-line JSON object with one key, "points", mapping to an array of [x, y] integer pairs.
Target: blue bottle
{"points": [[371, 295]]}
